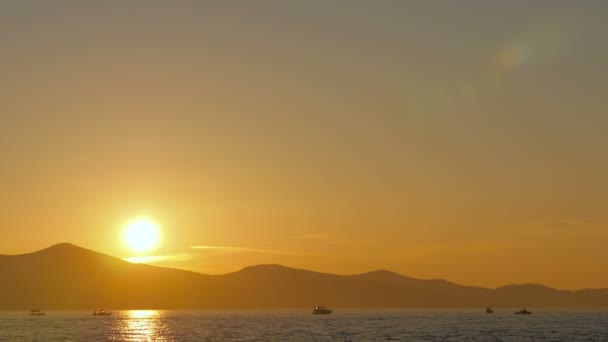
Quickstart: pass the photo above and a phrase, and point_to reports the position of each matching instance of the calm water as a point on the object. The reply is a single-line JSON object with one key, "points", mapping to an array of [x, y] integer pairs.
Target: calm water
{"points": [[344, 325]]}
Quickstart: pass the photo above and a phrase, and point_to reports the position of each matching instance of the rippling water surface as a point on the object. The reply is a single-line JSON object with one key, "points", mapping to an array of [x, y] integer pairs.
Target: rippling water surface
{"points": [[343, 325]]}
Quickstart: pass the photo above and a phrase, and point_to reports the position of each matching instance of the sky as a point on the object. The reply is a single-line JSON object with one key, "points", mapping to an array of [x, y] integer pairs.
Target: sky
{"points": [[463, 140]]}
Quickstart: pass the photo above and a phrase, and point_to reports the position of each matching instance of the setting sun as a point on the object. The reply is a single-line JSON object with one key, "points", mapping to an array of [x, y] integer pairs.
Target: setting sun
{"points": [[142, 234]]}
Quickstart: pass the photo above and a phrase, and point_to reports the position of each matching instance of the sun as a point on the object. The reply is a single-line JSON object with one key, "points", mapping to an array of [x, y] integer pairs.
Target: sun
{"points": [[142, 234]]}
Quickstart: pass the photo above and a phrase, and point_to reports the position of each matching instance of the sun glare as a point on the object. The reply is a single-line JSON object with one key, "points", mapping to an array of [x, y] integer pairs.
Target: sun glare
{"points": [[142, 234]]}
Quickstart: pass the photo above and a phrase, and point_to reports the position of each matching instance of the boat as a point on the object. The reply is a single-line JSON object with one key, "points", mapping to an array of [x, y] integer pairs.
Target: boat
{"points": [[489, 310], [523, 312], [36, 313], [101, 313], [321, 310]]}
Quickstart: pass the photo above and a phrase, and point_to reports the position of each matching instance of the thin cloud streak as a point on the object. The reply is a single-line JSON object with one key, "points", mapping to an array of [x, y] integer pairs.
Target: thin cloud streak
{"points": [[334, 239], [233, 249], [157, 258], [323, 237]]}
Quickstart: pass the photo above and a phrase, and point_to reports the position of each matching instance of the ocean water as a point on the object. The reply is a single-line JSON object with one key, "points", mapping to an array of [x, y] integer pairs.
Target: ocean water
{"points": [[301, 325]]}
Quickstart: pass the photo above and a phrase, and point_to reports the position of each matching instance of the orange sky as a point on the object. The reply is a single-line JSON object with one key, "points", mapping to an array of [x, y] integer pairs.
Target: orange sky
{"points": [[434, 141]]}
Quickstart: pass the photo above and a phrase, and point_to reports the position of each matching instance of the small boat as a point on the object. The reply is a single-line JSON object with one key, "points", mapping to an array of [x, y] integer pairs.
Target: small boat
{"points": [[523, 312], [36, 313], [101, 313], [489, 310], [321, 310]]}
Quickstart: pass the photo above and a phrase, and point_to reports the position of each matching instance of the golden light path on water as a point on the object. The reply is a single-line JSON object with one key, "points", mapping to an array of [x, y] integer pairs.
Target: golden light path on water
{"points": [[142, 325]]}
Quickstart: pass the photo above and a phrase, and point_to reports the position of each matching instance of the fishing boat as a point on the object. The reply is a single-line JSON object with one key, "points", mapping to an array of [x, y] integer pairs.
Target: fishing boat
{"points": [[489, 310], [36, 313], [321, 310], [101, 313], [523, 312]]}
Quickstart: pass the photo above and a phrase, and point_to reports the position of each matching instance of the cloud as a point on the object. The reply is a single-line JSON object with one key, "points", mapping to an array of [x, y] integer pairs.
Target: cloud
{"points": [[333, 239], [146, 259], [232, 249], [323, 237]]}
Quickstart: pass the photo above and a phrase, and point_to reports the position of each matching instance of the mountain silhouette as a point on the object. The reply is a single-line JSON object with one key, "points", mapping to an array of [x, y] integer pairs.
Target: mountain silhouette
{"points": [[66, 276]]}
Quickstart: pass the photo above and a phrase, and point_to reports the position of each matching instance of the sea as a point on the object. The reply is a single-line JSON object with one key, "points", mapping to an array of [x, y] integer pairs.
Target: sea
{"points": [[301, 325]]}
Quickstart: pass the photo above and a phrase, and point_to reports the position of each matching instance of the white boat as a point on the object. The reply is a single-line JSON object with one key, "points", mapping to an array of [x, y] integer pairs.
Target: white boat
{"points": [[321, 310], [101, 313]]}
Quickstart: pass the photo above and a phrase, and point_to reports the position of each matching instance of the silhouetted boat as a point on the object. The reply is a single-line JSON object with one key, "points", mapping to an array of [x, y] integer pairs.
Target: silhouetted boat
{"points": [[101, 313], [36, 313], [523, 312], [489, 310], [321, 310]]}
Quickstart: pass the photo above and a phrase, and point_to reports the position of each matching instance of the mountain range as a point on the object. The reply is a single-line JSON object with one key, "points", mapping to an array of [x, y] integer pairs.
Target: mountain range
{"points": [[66, 276]]}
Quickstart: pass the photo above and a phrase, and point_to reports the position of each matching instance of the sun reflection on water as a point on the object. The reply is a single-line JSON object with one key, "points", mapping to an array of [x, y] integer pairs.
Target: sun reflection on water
{"points": [[142, 325]]}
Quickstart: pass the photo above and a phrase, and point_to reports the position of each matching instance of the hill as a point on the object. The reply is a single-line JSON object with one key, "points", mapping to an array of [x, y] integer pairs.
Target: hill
{"points": [[66, 276]]}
